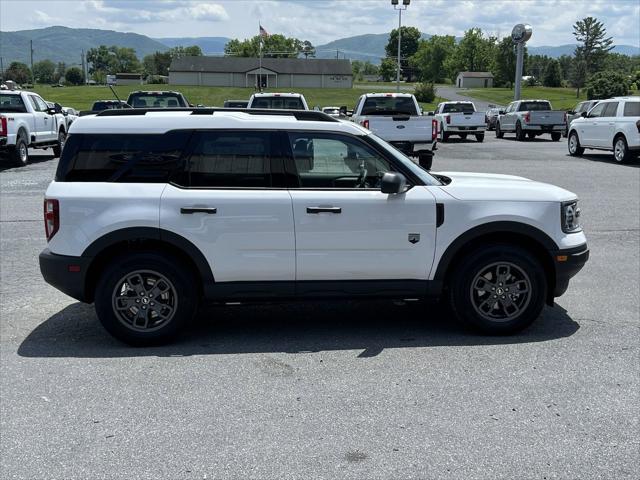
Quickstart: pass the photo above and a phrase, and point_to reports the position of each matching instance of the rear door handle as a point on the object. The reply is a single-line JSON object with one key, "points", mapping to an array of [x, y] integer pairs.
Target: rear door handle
{"points": [[324, 210], [190, 210]]}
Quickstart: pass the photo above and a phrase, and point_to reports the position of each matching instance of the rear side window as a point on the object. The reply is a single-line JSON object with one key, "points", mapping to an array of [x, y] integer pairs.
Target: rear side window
{"points": [[122, 158], [12, 103], [229, 159], [632, 109]]}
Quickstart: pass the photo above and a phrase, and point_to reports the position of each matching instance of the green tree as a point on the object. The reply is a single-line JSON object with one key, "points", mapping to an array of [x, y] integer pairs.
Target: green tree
{"points": [[126, 60], [578, 75], [536, 65], [356, 69], [369, 68], [474, 53], [552, 75], [504, 63], [409, 42], [429, 59], [44, 71], [18, 72], [191, 51], [105, 60], [595, 43], [566, 65], [603, 85], [273, 46], [157, 63], [61, 69], [74, 76], [388, 68], [307, 49]]}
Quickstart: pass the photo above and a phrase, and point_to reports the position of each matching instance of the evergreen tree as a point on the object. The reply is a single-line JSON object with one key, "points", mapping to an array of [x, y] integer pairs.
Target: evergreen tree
{"points": [[552, 75], [595, 43]]}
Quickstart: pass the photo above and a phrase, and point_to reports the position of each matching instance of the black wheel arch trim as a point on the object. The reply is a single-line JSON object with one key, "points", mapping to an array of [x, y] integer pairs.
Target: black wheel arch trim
{"points": [[454, 248], [157, 234]]}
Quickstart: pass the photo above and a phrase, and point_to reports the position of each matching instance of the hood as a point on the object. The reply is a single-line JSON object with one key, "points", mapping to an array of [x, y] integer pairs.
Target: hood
{"points": [[483, 186]]}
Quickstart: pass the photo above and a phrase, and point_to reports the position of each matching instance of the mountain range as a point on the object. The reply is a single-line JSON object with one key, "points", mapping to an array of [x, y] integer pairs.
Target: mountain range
{"points": [[64, 44]]}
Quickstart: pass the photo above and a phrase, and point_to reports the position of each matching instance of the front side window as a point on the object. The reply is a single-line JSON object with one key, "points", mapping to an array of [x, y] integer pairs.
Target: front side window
{"points": [[34, 103], [611, 109], [336, 161], [597, 111], [229, 159]]}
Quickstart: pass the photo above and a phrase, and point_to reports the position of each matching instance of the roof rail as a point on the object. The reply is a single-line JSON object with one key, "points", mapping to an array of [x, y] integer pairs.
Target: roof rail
{"points": [[308, 115]]}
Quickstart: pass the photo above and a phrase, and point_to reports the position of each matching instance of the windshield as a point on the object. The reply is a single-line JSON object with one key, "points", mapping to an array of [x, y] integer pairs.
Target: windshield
{"points": [[532, 106], [156, 100], [389, 106], [288, 103], [10, 102], [417, 170], [458, 108]]}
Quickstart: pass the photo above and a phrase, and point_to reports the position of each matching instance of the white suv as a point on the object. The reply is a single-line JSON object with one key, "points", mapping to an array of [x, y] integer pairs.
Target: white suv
{"points": [[152, 213], [612, 125]]}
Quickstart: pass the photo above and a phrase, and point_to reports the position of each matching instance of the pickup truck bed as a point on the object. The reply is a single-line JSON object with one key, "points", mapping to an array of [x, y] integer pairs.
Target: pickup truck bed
{"points": [[459, 118]]}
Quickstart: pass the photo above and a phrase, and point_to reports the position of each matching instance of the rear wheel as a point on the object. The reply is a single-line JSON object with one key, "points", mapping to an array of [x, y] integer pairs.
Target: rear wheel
{"points": [[519, 132], [499, 132], [20, 154], [57, 149], [556, 136], [443, 136], [145, 298], [621, 150], [480, 137], [498, 289], [573, 144]]}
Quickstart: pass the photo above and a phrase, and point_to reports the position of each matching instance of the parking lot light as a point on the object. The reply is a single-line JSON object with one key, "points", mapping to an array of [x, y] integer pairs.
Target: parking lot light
{"points": [[405, 4]]}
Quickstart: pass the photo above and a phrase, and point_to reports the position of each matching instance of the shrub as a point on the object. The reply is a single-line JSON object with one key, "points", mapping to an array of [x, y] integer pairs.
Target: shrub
{"points": [[425, 92], [74, 76], [607, 84]]}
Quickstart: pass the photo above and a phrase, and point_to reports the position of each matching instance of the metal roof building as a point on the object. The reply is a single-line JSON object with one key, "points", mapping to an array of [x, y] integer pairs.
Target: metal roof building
{"points": [[474, 79], [275, 72]]}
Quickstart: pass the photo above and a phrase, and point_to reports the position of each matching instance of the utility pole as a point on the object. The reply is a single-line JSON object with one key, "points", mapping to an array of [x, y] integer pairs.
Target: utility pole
{"points": [[337, 54], [33, 80], [84, 74], [1, 69]]}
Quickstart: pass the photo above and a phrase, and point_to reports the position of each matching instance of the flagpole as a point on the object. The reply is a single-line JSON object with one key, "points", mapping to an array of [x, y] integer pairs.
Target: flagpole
{"points": [[260, 55]]}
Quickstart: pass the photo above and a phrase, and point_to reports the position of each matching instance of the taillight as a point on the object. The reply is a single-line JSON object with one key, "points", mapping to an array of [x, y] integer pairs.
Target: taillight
{"points": [[51, 217], [434, 129], [527, 117], [448, 119], [638, 125], [3, 126], [365, 123]]}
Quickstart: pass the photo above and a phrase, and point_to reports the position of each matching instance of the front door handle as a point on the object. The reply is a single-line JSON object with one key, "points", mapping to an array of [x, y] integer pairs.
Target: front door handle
{"points": [[190, 210], [324, 210]]}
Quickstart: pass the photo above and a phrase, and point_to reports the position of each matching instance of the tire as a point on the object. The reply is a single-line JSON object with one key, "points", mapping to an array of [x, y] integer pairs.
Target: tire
{"points": [[519, 132], [57, 149], [480, 137], [463, 136], [499, 267], [425, 160], [621, 152], [443, 136], [556, 136], [177, 287], [499, 132], [573, 144], [20, 153], [531, 135]]}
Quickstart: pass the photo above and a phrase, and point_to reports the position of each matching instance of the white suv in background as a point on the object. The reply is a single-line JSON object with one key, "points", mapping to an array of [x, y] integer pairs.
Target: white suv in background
{"points": [[612, 125], [152, 213]]}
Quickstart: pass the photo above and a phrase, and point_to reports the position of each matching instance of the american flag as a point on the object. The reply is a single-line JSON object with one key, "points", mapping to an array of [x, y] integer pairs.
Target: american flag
{"points": [[263, 32]]}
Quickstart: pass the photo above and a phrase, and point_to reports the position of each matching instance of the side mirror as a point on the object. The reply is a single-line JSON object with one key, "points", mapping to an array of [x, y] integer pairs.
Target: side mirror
{"points": [[583, 114], [393, 183], [430, 114], [501, 112], [571, 112], [343, 110]]}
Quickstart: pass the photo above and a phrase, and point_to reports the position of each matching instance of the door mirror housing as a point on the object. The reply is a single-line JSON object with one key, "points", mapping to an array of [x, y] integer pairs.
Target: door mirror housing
{"points": [[501, 112], [583, 114], [430, 113], [393, 183]]}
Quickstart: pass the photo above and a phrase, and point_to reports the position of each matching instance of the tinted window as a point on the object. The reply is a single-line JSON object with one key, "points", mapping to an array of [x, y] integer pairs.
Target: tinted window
{"points": [[533, 106], [458, 108], [389, 106], [236, 104], [229, 159], [597, 110], [611, 109], [336, 161], [156, 100], [121, 158], [289, 103], [632, 109], [12, 103]]}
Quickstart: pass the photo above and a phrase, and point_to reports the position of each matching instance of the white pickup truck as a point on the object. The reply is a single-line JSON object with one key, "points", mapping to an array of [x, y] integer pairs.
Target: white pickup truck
{"points": [[26, 121], [531, 118], [397, 118], [459, 118]]}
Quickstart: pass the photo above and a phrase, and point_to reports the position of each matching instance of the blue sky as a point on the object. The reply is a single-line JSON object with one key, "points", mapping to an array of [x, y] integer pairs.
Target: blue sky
{"points": [[321, 21]]}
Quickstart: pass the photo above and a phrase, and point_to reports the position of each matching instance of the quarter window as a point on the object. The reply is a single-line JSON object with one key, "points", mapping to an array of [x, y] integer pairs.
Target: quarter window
{"points": [[336, 161], [632, 109]]}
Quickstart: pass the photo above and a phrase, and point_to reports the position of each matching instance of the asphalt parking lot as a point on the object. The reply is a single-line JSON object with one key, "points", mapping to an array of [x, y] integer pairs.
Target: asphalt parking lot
{"points": [[333, 390]]}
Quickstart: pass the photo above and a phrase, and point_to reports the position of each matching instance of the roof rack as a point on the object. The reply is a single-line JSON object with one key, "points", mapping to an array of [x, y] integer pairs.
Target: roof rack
{"points": [[304, 115]]}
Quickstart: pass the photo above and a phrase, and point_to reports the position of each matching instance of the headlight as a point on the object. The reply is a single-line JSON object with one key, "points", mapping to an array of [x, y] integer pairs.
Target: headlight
{"points": [[571, 217]]}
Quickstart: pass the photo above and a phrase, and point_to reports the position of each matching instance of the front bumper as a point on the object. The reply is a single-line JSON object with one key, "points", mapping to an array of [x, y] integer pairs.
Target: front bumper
{"points": [[568, 263], [67, 274]]}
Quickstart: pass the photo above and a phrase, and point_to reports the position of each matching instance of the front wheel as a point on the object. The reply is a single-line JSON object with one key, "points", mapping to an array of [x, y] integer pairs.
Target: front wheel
{"points": [[519, 132], [443, 136], [480, 137], [498, 289], [499, 132], [57, 149], [575, 150], [145, 298]]}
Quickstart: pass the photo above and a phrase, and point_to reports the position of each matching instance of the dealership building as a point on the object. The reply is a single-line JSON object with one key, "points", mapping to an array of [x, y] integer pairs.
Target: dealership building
{"points": [[282, 73]]}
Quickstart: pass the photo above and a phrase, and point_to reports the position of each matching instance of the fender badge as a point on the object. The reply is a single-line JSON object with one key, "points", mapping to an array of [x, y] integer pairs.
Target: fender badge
{"points": [[414, 238]]}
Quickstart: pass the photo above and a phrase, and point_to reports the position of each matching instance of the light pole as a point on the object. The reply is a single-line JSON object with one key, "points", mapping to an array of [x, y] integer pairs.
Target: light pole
{"points": [[405, 4], [520, 34]]}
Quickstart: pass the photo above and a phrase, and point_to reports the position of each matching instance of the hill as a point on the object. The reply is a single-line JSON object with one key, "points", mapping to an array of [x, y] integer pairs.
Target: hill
{"points": [[63, 44], [568, 49], [208, 45]]}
